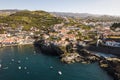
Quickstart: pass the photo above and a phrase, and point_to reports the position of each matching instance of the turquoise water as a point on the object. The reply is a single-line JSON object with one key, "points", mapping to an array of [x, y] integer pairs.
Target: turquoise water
{"points": [[27, 63]]}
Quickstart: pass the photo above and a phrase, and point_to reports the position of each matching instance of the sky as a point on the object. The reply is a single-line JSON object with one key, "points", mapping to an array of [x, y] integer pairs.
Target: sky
{"points": [[104, 7]]}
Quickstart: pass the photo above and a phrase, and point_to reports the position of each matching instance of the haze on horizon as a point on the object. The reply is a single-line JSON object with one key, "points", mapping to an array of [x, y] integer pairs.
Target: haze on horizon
{"points": [[102, 7]]}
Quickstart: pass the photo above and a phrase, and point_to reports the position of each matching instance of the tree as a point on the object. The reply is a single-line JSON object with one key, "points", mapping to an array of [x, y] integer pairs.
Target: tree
{"points": [[115, 25]]}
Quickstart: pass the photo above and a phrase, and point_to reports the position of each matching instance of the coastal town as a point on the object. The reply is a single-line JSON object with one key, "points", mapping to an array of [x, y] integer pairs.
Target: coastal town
{"points": [[60, 40], [16, 37], [58, 31], [74, 40]]}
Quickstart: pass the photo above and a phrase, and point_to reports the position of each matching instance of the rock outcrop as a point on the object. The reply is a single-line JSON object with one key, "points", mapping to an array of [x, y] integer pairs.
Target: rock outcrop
{"points": [[84, 57], [70, 57], [48, 47], [112, 66]]}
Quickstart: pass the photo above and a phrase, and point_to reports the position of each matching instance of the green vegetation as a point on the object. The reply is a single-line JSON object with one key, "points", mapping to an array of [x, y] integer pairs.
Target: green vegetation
{"points": [[30, 19], [115, 25]]}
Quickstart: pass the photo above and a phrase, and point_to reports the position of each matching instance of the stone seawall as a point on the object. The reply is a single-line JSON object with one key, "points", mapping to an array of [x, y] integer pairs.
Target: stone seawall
{"points": [[104, 49]]}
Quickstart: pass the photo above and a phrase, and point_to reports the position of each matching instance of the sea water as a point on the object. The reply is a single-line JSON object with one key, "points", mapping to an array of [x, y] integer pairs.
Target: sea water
{"points": [[28, 63]]}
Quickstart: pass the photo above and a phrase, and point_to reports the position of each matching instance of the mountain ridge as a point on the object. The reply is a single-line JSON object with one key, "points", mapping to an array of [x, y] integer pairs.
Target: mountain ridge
{"points": [[70, 14], [83, 14]]}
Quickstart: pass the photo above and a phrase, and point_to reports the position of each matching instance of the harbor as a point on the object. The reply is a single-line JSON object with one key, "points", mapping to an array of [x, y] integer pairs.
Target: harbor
{"points": [[29, 63]]}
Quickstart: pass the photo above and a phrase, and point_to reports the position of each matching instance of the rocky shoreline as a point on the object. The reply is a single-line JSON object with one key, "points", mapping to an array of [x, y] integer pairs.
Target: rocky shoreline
{"points": [[84, 57], [111, 65]]}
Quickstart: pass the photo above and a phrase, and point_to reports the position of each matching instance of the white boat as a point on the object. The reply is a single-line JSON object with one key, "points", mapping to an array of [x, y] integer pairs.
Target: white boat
{"points": [[59, 72], [51, 67], [12, 60], [19, 67]]}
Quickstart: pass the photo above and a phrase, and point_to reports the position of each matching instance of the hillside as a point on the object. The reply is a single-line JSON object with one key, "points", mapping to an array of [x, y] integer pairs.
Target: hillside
{"points": [[30, 19], [8, 12], [94, 17]]}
